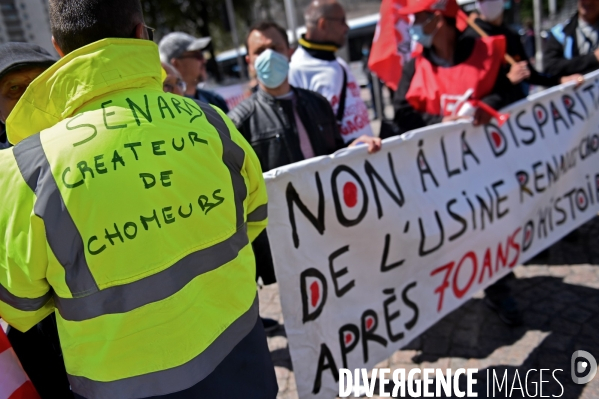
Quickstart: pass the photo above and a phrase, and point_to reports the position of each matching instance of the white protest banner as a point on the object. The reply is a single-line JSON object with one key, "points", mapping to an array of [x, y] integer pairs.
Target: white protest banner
{"points": [[371, 250]]}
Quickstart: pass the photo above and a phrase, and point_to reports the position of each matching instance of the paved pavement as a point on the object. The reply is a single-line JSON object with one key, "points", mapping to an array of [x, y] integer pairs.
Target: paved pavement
{"points": [[560, 305]]}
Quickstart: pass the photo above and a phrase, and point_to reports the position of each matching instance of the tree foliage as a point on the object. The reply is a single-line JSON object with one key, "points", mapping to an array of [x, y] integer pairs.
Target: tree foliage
{"points": [[199, 18], [526, 8], [196, 17]]}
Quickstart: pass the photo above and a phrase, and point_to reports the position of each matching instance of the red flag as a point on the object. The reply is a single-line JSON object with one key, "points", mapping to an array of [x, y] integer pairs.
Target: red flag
{"points": [[14, 383], [391, 45], [461, 20]]}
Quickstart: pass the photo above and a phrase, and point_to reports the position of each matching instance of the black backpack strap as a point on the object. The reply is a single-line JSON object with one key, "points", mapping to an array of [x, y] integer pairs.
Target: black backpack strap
{"points": [[341, 109]]}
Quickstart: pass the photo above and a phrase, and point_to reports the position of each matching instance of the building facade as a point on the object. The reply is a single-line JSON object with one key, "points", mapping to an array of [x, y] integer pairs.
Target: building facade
{"points": [[26, 21]]}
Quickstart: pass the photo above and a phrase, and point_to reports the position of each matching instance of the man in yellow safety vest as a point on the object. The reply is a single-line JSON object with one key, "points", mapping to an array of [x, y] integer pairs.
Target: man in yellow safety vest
{"points": [[129, 212]]}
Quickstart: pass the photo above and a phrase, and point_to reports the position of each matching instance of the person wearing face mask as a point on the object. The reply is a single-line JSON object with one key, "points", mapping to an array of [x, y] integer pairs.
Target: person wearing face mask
{"points": [[522, 73], [451, 69], [433, 86], [284, 124]]}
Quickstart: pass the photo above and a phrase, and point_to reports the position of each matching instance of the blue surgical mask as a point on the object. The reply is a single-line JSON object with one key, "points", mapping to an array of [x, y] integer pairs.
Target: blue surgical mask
{"points": [[417, 34], [271, 68]]}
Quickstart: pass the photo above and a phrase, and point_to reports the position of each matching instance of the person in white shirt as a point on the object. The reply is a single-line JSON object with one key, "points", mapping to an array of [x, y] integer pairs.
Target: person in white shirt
{"points": [[314, 66]]}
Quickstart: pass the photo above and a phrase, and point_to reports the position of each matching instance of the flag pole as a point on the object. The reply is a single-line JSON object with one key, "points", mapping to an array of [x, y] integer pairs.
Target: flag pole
{"points": [[235, 36], [482, 33]]}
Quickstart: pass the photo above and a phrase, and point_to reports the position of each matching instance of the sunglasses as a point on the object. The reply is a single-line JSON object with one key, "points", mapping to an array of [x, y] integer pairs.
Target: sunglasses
{"points": [[150, 32]]}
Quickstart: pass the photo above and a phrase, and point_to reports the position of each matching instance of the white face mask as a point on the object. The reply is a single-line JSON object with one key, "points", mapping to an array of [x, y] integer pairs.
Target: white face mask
{"points": [[490, 9]]}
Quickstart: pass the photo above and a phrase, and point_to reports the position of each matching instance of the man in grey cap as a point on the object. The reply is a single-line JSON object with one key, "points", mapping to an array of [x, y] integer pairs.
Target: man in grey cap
{"points": [[186, 54], [20, 64]]}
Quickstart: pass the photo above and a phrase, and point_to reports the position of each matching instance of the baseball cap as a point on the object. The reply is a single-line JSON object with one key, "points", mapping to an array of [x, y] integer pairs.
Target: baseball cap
{"points": [[175, 44], [15, 55], [448, 8]]}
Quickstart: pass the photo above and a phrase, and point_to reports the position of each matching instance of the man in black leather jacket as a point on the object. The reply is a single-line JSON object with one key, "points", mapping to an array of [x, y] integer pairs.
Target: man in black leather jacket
{"points": [[269, 124], [284, 124]]}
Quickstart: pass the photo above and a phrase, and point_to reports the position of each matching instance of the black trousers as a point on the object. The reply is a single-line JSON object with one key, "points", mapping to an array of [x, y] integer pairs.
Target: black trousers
{"points": [[247, 372], [264, 264], [500, 289], [39, 352]]}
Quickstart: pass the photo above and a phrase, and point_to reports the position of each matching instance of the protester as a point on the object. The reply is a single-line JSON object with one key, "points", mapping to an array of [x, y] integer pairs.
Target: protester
{"points": [[284, 124], [38, 349], [20, 63], [522, 73], [173, 83], [434, 84], [300, 123], [131, 211], [573, 47], [186, 54], [315, 67]]}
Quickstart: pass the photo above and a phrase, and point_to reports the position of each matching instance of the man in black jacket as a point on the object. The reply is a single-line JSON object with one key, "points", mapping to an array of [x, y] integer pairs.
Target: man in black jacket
{"points": [[573, 47], [20, 63], [283, 124], [522, 73]]}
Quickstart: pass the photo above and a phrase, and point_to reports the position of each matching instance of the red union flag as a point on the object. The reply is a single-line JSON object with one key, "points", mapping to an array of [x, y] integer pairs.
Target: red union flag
{"points": [[391, 45], [14, 383]]}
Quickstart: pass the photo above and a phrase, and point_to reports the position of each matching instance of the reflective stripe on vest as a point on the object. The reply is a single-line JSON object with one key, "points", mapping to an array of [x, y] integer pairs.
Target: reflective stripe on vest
{"points": [[159, 286], [66, 242], [259, 214], [186, 375], [89, 301], [24, 304], [62, 234], [435, 90]]}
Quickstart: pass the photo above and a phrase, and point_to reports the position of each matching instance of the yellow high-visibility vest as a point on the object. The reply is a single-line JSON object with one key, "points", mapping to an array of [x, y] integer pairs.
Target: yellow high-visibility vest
{"points": [[131, 214]]}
